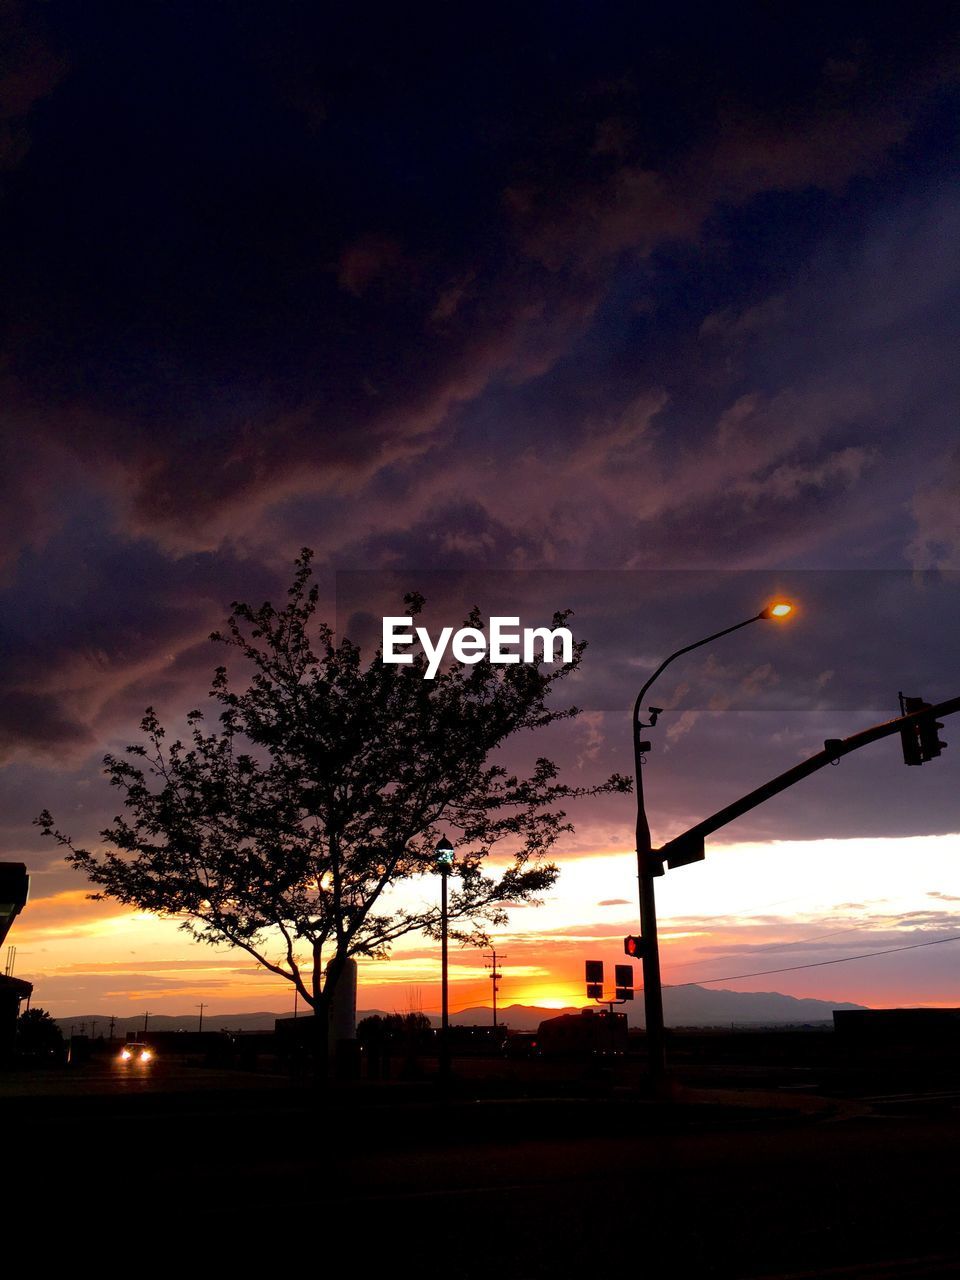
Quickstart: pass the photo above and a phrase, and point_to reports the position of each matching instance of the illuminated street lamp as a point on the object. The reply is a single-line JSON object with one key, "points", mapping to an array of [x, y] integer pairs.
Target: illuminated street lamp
{"points": [[648, 866], [444, 855]]}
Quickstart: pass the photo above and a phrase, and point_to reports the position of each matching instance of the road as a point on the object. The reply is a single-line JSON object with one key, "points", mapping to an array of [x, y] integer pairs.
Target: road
{"points": [[481, 1188]]}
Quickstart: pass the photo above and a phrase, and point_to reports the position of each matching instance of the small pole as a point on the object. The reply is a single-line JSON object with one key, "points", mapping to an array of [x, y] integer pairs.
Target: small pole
{"points": [[444, 864], [495, 976], [444, 983], [146, 1019], [201, 1007]]}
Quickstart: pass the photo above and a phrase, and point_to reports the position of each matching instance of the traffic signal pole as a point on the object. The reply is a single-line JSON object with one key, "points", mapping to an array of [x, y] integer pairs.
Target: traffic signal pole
{"points": [[649, 866], [688, 847]]}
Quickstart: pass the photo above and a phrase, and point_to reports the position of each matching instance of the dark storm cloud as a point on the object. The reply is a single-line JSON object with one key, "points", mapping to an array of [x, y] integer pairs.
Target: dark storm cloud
{"points": [[260, 253], [569, 289], [94, 631], [29, 69], [815, 423], [36, 722]]}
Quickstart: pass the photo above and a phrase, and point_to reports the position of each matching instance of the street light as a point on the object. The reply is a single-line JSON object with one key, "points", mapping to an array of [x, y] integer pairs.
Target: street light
{"points": [[444, 853], [648, 867]]}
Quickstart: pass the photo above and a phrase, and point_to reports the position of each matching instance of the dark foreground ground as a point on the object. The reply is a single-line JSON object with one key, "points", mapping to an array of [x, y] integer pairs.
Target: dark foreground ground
{"points": [[753, 1172]]}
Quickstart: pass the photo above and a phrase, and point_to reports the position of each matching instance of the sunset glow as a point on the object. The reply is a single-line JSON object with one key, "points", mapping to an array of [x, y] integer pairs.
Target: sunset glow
{"points": [[741, 911]]}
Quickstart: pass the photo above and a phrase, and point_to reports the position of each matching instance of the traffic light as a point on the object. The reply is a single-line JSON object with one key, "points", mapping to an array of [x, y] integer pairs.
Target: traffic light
{"points": [[909, 735], [624, 980], [921, 739], [929, 733], [633, 947], [593, 972]]}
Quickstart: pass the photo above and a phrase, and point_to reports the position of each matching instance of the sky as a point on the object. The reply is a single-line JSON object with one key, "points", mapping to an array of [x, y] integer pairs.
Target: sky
{"points": [[645, 311]]}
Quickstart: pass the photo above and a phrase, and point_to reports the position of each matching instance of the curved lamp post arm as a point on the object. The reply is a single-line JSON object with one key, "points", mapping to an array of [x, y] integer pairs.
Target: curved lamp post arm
{"points": [[644, 843], [679, 654]]}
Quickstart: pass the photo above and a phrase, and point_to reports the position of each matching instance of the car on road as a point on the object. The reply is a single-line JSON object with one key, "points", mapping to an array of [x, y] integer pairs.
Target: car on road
{"points": [[135, 1053]]}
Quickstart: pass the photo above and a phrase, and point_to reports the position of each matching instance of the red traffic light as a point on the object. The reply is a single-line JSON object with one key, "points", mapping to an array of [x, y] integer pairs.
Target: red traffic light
{"points": [[633, 947]]}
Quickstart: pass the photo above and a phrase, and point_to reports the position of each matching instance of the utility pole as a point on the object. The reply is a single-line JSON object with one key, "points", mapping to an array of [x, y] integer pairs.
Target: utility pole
{"points": [[201, 1007], [444, 864], [112, 1022], [495, 976], [146, 1019]]}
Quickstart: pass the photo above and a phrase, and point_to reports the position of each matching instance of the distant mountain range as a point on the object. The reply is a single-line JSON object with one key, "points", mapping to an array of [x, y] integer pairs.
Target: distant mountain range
{"points": [[686, 1007], [683, 1007]]}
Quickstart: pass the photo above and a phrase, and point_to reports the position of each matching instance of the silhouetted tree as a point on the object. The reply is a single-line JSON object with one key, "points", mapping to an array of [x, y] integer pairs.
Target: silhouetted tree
{"points": [[392, 1026], [38, 1036], [384, 1035], [328, 782]]}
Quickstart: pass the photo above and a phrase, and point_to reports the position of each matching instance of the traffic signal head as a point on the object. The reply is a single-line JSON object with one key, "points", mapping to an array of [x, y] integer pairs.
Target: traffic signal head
{"points": [[910, 742], [921, 739], [633, 947], [624, 981], [928, 732]]}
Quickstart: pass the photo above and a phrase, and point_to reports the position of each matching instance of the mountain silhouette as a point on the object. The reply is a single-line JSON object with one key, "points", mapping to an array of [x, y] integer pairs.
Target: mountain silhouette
{"points": [[688, 1006]]}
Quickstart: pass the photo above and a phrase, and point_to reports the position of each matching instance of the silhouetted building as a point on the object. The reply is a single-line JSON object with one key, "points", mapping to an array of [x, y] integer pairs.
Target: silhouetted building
{"points": [[857, 1027], [14, 890], [597, 1033]]}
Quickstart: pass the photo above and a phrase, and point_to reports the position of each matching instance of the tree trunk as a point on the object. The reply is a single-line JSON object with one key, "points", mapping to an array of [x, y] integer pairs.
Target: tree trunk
{"points": [[321, 1041], [322, 1000], [326, 986]]}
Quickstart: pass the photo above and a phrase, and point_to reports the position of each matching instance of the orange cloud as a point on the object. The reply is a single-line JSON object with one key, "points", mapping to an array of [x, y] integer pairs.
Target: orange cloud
{"points": [[71, 912]]}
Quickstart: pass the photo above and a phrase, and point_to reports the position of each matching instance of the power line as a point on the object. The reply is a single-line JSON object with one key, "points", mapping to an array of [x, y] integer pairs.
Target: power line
{"points": [[819, 964], [795, 942]]}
